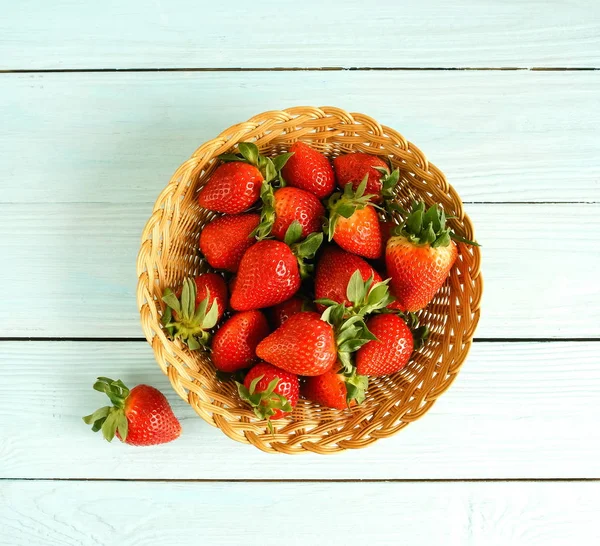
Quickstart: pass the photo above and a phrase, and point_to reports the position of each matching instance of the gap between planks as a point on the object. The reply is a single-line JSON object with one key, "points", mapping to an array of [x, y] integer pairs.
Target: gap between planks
{"points": [[299, 480], [304, 69]]}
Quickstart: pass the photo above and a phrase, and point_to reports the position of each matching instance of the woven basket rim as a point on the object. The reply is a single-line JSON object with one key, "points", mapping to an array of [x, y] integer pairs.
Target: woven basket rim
{"points": [[332, 430]]}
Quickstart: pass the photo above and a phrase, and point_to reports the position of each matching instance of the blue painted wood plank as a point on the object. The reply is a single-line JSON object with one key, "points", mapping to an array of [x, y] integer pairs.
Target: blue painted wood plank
{"points": [[498, 136], [516, 410], [178, 514], [347, 33]]}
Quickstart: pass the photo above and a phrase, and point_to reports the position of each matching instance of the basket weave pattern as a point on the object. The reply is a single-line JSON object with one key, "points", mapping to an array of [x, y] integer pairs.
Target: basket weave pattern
{"points": [[169, 253]]}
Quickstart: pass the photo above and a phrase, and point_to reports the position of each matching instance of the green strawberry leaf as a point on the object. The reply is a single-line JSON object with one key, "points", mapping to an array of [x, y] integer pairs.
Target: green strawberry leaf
{"points": [[293, 233], [461, 239], [415, 222], [442, 240], [355, 291], [228, 158], [210, 320], [249, 152], [360, 190], [171, 300], [122, 426], [356, 386], [432, 217], [192, 321], [280, 160]]}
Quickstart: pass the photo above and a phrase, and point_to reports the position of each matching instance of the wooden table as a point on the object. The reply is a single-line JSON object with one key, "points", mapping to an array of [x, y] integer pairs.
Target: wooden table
{"points": [[99, 104]]}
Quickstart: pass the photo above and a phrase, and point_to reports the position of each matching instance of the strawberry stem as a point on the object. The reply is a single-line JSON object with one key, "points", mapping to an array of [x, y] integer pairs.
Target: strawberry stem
{"points": [[248, 152], [185, 320], [110, 419], [344, 205], [428, 227]]}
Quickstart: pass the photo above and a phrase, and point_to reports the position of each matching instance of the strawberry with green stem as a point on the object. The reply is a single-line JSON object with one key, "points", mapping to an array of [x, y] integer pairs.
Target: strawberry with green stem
{"points": [[335, 389], [272, 392], [271, 271], [334, 269], [191, 316], [419, 256], [141, 416], [236, 184], [284, 206], [354, 168], [353, 222]]}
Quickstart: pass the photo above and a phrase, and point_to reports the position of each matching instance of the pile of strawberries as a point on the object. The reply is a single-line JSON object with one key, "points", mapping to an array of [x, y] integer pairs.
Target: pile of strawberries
{"points": [[314, 286]]}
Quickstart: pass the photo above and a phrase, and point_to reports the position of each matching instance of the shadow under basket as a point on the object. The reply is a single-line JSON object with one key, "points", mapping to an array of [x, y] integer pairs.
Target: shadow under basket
{"points": [[169, 253]]}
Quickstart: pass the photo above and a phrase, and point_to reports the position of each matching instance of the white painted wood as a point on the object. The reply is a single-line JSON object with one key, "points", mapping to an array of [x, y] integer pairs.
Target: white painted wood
{"points": [[106, 137], [71, 270], [178, 514], [186, 33], [516, 410]]}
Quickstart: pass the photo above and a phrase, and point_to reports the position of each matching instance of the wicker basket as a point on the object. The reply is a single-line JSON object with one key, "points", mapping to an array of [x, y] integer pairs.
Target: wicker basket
{"points": [[169, 253]]}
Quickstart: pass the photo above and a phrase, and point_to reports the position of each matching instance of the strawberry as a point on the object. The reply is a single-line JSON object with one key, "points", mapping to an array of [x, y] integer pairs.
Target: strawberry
{"points": [[273, 393], [390, 352], [286, 205], [270, 271], [196, 309], [335, 390], [353, 168], [309, 170], [420, 255], [232, 188], [351, 331], [224, 241], [334, 270], [234, 345], [281, 312], [304, 345], [353, 223], [235, 185], [140, 417]]}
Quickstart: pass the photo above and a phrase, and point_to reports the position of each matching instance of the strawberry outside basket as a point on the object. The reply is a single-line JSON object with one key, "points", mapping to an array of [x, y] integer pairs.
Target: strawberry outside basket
{"points": [[169, 253]]}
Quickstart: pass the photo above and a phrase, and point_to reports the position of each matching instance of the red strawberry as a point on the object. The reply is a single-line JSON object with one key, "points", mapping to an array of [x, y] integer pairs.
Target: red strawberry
{"points": [[224, 241], [235, 186], [234, 345], [391, 350], [304, 345], [420, 258], [309, 170], [286, 205], [197, 308], [232, 188], [334, 270], [335, 390], [352, 169], [270, 271], [140, 417], [281, 312], [272, 392], [353, 223]]}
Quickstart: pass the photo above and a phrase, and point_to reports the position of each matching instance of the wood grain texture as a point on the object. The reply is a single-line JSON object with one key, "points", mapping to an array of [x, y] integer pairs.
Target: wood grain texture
{"points": [[178, 514], [72, 270], [184, 33], [107, 137], [516, 410]]}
